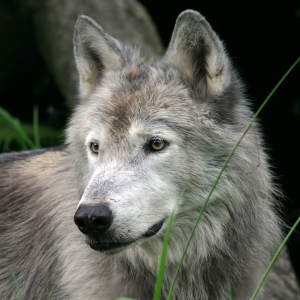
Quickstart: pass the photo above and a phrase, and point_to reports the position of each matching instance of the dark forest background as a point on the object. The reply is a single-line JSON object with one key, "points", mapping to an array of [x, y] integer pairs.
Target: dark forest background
{"points": [[262, 37]]}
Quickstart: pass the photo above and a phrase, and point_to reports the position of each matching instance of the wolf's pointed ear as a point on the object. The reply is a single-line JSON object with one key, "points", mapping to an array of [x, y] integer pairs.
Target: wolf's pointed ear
{"points": [[95, 53], [199, 54]]}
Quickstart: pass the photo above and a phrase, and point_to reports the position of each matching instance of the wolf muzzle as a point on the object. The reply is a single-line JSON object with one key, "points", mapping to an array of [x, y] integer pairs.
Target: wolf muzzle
{"points": [[93, 219]]}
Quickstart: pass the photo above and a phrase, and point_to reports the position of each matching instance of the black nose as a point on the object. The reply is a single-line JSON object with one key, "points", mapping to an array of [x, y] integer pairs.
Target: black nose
{"points": [[93, 219]]}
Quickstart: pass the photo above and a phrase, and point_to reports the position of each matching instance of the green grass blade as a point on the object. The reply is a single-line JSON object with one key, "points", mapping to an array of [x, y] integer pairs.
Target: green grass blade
{"points": [[6, 143], [221, 172], [274, 258], [35, 124], [229, 293], [162, 260], [24, 139], [17, 286], [13, 123]]}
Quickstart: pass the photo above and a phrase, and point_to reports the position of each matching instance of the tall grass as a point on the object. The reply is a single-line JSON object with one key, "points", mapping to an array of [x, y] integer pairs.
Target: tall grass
{"points": [[17, 286], [163, 256], [23, 136], [274, 258], [17, 131]]}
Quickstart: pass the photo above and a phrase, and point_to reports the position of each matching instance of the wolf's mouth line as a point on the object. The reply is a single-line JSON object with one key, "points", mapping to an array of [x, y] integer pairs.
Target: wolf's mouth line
{"points": [[154, 229], [108, 245]]}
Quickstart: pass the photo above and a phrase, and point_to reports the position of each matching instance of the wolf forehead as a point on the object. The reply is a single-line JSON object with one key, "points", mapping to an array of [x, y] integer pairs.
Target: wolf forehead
{"points": [[147, 93], [193, 82]]}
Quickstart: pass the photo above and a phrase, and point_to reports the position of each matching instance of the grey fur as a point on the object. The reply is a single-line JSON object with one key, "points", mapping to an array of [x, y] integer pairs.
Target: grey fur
{"points": [[193, 99]]}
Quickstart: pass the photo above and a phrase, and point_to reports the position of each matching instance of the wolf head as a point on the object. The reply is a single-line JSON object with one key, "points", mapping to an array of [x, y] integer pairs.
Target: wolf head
{"points": [[145, 131]]}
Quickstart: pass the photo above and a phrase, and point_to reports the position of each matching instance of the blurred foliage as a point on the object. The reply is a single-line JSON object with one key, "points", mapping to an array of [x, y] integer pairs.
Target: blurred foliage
{"points": [[15, 135], [296, 107]]}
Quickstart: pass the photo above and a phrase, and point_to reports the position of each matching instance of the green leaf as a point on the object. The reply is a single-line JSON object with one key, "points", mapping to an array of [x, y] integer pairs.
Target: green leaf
{"points": [[20, 135], [17, 286], [274, 258], [161, 265], [23, 136]]}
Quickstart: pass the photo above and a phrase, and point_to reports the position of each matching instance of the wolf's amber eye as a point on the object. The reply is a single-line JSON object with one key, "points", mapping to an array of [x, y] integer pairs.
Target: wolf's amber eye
{"points": [[157, 144], [94, 147]]}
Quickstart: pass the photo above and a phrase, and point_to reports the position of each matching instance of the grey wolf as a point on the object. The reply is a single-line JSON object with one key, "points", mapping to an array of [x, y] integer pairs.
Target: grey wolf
{"points": [[142, 133]]}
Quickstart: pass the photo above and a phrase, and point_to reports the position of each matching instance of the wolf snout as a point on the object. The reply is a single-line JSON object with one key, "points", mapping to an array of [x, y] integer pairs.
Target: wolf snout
{"points": [[93, 219]]}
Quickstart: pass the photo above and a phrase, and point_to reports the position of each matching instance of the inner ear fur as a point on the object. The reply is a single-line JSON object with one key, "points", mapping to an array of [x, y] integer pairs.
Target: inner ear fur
{"points": [[196, 50], [95, 53]]}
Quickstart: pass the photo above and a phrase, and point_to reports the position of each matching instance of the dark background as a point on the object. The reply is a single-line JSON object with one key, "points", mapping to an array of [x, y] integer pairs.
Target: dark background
{"points": [[262, 38]]}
